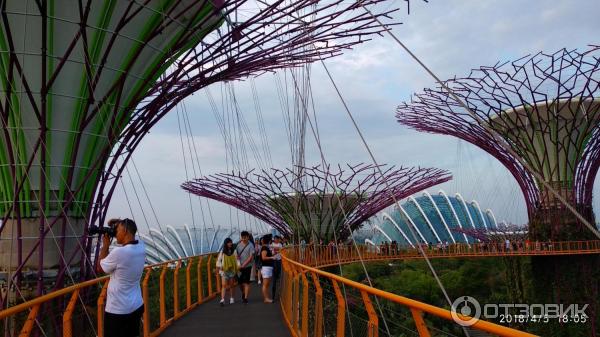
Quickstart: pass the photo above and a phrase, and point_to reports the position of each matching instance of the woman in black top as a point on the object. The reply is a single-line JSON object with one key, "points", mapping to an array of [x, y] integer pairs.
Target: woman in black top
{"points": [[266, 257]]}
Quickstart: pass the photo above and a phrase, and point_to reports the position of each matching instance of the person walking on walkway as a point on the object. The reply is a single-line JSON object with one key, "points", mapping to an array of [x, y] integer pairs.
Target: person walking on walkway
{"points": [[245, 253], [228, 265], [276, 247], [266, 257]]}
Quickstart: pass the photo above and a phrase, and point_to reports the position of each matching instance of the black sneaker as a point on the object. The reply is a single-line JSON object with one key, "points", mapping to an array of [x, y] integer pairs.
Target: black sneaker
{"points": [[222, 303], [245, 301]]}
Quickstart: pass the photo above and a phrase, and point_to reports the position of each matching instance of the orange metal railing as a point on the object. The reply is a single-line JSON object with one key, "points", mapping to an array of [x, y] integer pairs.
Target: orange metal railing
{"points": [[178, 287], [173, 288], [333, 255], [302, 297]]}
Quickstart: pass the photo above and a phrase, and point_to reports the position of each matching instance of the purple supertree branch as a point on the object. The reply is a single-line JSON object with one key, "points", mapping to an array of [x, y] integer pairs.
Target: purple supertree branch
{"points": [[275, 196]]}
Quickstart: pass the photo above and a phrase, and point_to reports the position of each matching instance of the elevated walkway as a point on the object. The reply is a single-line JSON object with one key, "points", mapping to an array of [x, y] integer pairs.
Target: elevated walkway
{"points": [[255, 319], [181, 298]]}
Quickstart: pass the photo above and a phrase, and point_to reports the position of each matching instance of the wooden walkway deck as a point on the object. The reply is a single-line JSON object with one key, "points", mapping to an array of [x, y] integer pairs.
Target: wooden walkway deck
{"points": [[255, 319]]}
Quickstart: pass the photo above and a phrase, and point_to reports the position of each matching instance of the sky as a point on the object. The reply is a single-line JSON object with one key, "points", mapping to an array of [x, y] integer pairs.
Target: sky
{"points": [[450, 37]]}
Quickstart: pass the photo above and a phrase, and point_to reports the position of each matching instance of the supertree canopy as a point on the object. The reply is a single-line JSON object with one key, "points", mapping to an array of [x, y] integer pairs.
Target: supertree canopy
{"points": [[316, 203], [546, 108], [82, 82]]}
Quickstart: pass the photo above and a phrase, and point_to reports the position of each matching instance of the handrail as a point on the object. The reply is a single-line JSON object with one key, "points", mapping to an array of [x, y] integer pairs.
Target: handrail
{"points": [[299, 261], [45, 298], [402, 252], [76, 290], [407, 302]]}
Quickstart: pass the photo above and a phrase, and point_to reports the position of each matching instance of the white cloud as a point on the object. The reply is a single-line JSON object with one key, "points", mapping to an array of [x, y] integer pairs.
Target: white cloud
{"points": [[371, 57]]}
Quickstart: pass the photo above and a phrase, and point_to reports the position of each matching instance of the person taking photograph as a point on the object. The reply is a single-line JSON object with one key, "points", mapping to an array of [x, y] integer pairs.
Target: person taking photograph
{"points": [[125, 265]]}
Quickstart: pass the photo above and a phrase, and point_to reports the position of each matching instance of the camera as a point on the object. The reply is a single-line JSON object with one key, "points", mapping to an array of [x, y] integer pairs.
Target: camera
{"points": [[109, 230]]}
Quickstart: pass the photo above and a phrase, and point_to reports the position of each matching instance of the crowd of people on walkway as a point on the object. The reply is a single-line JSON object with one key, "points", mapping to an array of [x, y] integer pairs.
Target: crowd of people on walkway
{"points": [[248, 261], [497, 246]]}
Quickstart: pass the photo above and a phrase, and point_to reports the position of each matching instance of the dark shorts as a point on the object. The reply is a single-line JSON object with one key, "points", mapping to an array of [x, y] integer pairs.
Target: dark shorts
{"points": [[127, 325], [245, 275]]}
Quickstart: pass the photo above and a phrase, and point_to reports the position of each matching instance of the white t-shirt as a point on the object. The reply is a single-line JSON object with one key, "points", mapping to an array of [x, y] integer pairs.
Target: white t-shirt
{"points": [[125, 265], [276, 249]]}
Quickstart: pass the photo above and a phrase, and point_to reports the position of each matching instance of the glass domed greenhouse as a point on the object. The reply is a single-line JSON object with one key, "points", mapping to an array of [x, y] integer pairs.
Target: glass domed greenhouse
{"points": [[171, 243], [435, 218]]}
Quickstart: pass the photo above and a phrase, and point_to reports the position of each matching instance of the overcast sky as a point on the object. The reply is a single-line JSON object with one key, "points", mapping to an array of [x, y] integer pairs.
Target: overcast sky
{"points": [[450, 36]]}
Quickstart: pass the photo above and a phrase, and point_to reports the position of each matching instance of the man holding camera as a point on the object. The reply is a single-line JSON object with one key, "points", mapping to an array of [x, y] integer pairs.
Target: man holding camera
{"points": [[125, 265]]}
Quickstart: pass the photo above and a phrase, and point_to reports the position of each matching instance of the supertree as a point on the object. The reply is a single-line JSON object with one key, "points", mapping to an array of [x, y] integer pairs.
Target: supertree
{"points": [[539, 116], [316, 203], [82, 82], [546, 109]]}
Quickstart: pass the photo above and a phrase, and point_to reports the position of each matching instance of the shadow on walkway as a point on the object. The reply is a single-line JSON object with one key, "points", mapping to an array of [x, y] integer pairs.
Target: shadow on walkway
{"points": [[255, 319]]}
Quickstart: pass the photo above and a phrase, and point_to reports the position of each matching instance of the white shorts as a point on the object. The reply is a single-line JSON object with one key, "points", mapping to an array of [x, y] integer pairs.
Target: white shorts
{"points": [[266, 271]]}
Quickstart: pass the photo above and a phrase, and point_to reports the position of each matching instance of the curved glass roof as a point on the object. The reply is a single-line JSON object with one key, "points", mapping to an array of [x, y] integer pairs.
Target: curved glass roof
{"points": [[173, 243], [177, 242], [435, 219]]}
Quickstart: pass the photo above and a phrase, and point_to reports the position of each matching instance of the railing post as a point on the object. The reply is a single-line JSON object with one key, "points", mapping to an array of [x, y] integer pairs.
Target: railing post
{"points": [[284, 286], [373, 324], [318, 306], [341, 312], [209, 276], [290, 309], [28, 326], [304, 306], [296, 301], [289, 274], [146, 326], [420, 323], [68, 315], [199, 271], [161, 285], [188, 285], [176, 289], [100, 308]]}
